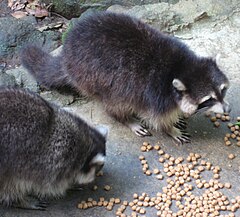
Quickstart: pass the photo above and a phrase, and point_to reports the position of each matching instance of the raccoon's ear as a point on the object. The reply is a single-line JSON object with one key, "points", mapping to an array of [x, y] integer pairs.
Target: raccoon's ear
{"points": [[217, 58], [103, 130], [178, 84]]}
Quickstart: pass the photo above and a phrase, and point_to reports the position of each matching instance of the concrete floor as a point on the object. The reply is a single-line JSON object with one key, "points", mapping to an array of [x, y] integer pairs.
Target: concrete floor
{"points": [[123, 171]]}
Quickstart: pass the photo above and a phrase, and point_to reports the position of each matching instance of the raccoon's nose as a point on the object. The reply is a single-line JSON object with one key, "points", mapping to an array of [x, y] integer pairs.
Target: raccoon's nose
{"points": [[226, 107]]}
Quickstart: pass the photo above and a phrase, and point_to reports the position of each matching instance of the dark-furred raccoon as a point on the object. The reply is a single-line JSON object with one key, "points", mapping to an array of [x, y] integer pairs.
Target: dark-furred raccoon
{"points": [[134, 70], [43, 149]]}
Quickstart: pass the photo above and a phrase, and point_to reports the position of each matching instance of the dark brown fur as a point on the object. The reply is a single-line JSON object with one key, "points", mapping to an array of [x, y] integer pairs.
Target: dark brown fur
{"points": [[127, 65]]}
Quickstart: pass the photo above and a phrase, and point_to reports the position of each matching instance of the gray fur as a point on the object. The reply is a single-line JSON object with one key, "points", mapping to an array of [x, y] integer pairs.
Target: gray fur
{"points": [[44, 149]]}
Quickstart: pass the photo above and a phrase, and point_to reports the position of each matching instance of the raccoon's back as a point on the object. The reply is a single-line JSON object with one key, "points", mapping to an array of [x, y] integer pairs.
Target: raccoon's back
{"points": [[25, 120], [120, 59], [107, 45]]}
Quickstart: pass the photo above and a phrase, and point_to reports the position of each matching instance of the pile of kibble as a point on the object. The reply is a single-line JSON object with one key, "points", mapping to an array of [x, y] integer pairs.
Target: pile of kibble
{"points": [[231, 137], [182, 177]]}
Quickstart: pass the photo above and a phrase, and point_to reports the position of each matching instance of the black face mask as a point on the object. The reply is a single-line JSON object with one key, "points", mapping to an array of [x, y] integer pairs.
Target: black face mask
{"points": [[208, 103]]}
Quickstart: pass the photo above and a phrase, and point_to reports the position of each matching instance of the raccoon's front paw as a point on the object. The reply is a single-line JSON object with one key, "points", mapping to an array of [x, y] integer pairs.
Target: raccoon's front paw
{"points": [[181, 124], [180, 135], [31, 203], [76, 187], [139, 129]]}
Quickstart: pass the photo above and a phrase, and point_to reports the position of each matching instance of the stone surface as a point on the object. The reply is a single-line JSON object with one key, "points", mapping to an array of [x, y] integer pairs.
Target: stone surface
{"points": [[122, 170], [7, 80], [71, 9], [218, 38], [23, 78], [159, 15], [15, 33], [173, 17], [57, 98]]}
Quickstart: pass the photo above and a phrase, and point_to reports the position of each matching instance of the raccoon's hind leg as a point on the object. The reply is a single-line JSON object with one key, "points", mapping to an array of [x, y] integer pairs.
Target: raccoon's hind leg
{"points": [[126, 117], [178, 131], [30, 203]]}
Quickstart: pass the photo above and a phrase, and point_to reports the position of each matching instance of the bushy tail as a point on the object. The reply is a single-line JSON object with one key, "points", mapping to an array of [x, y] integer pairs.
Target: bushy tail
{"points": [[45, 68]]}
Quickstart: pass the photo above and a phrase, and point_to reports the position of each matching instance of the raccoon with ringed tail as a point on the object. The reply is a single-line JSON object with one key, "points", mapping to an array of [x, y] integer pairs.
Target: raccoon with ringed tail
{"points": [[135, 71], [44, 149]]}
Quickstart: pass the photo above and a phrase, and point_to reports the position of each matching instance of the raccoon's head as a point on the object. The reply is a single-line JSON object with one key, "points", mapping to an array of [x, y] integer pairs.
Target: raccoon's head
{"points": [[203, 85], [96, 158]]}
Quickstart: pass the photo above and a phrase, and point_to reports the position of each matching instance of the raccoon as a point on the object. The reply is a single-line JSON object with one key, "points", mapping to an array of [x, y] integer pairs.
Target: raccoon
{"points": [[135, 71], [44, 149]]}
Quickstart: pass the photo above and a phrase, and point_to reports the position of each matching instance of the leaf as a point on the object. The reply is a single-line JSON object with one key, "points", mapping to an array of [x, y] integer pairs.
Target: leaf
{"points": [[19, 14], [237, 123], [17, 7], [10, 3], [35, 2], [30, 11], [50, 26], [41, 13]]}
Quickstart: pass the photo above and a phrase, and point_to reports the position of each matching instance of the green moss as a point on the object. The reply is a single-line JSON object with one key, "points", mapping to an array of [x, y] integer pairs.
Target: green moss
{"points": [[64, 35], [96, 1]]}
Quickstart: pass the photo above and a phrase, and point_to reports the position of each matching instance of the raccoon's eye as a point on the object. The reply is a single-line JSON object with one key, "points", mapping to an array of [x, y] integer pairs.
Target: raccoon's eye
{"points": [[207, 103], [223, 91]]}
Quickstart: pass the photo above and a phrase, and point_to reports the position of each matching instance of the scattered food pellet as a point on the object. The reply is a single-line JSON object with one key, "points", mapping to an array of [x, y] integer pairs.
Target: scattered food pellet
{"points": [[223, 118], [143, 148], [231, 156], [227, 143], [227, 185], [161, 152], [161, 159], [117, 201], [149, 147], [157, 147], [181, 179], [135, 196], [160, 177], [107, 187], [109, 208], [213, 119], [216, 124], [148, 173], [95, 187], [105, 203], [156, 171], [80, 206], [100, 173]]}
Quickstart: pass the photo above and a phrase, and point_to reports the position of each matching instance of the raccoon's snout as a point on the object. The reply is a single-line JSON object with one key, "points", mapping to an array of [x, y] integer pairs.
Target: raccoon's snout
{"points": [[98, 162], [220, 108], [226, 107]]}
